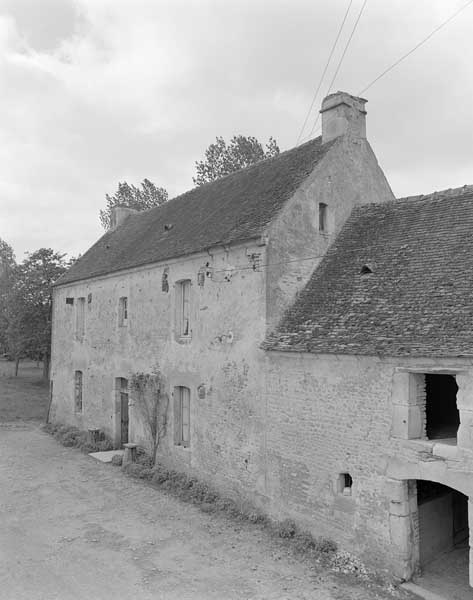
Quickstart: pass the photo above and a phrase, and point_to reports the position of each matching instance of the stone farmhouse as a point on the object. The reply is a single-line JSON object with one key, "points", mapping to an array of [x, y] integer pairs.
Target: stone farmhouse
{"points": [[315, 335]]}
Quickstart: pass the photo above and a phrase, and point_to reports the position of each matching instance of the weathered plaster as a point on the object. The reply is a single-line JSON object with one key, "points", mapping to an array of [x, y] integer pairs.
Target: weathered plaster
{"points": [[347, 175]]}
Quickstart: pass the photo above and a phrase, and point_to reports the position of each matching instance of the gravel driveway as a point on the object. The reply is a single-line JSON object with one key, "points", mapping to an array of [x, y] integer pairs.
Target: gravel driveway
{"points": [[74, 528]]}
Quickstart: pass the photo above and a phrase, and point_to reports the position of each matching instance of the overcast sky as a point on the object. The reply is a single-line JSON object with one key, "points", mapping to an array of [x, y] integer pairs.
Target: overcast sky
{"points": [[93, 92]]}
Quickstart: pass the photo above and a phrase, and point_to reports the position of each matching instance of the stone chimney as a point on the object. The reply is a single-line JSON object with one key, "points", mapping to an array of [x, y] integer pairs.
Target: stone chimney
{"points": [[343, 114], [119, 213]]}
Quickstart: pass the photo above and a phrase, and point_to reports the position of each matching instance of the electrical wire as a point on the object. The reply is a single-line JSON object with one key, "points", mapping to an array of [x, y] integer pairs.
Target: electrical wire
{"points": [[421, 43], [324, 72], [329, 89]]}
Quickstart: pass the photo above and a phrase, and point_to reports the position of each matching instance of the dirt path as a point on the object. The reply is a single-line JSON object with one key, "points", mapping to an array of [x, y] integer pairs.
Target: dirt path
{"points": [[73, 528]]}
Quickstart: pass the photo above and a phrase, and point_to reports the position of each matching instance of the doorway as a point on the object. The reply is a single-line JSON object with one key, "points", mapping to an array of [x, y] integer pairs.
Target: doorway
{"points": [[121, 387], [443, 535]]}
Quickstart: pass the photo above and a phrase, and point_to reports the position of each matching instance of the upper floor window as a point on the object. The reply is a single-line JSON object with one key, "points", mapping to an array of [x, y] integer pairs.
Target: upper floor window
{"points": [[80, 319], [182, 416], [322, 216], [183, 308], [78, 391], [123, 312]]}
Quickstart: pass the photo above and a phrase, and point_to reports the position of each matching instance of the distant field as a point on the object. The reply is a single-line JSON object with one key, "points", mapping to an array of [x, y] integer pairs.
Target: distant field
{"points": [[24, 397]]}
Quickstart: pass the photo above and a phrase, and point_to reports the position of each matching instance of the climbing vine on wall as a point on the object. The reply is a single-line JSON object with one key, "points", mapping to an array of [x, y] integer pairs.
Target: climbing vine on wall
{"points": [[152, 402]]}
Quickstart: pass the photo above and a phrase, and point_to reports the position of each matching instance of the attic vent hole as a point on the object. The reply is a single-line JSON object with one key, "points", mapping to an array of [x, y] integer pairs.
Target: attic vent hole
{"points": [[366, 270], [168, 226]]}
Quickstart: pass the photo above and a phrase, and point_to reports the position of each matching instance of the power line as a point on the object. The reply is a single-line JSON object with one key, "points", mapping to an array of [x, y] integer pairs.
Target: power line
{"points": [[433, 32], [324, 72], [341, 60]]}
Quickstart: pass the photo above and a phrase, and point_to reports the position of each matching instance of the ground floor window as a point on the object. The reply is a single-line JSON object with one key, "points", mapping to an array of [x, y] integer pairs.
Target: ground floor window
{"points": [[182, 416], [78, 391]]}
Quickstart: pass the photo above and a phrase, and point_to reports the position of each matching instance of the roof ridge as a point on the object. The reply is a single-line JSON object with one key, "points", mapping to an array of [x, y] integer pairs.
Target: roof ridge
{"points": [[447, 193], [248, 168]]}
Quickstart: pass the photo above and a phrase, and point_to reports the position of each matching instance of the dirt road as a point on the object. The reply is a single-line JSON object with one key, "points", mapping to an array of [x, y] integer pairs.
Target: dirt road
{"points": [[74, 528]]}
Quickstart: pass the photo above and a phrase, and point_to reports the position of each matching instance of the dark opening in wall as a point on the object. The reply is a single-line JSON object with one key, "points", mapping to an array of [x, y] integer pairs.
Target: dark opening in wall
{"points": [[442, 416], [345, 484], [70, 301]]}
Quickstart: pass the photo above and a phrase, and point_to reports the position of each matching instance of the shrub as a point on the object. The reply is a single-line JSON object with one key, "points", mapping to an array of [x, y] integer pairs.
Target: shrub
{"points": [[325, 546], [286, 529], [143, 458], [117, 460], [73, 437]]}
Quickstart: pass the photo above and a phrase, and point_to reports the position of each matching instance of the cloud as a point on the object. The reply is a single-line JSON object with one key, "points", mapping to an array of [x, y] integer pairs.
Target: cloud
{"points": [[100, 91]]}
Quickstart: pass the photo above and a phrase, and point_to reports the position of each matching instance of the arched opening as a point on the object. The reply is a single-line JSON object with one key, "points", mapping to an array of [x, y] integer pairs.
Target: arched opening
{"points": [[440, 526]]}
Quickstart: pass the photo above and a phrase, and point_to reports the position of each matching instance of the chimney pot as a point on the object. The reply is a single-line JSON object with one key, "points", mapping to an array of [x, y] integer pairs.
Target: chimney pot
{"points": [[343, 114]]}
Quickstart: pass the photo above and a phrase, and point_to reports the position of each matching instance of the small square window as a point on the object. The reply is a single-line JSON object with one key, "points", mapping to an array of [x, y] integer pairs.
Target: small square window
{"points": [[345, 484]]}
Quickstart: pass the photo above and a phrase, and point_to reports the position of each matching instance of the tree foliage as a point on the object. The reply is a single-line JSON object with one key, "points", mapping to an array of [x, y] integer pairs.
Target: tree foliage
{"points": [[222, 158], [28, 303], [151, 402], [134, 197], [7, 269]]}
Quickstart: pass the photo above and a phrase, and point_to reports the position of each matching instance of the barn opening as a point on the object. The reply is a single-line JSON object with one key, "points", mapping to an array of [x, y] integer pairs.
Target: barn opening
{"points": [[442, 416], [443, 535]]}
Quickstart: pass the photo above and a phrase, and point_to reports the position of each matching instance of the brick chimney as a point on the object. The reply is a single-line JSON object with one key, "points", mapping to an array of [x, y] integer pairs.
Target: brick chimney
{"points": [[343, 114], [119, 213]]}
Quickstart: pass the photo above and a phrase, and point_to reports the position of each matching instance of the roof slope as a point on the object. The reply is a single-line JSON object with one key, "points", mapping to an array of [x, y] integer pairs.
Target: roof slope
{"points": [[417, 301], [235, 207]]}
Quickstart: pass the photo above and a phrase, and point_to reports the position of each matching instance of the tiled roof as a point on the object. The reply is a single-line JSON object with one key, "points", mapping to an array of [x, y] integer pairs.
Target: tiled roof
{"points": [[418, 300], [233, 208]]}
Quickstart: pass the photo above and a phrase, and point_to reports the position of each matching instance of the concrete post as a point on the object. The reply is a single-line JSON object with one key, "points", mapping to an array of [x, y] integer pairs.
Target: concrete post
{"points": [[129, 456]]}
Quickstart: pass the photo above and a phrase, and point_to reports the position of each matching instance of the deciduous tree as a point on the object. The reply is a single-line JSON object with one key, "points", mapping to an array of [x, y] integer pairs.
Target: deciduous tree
{"points": [[222, 158], [29, 303], [134, 197]]}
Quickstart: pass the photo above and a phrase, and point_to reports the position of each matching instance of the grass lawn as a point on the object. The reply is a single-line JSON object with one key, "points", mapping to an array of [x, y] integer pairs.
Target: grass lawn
{"points": [[25, 397]]}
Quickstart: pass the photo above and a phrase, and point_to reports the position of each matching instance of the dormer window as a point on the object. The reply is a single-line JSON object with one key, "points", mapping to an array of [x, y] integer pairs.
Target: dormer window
{"points": [[322, 216], [366, 270]]}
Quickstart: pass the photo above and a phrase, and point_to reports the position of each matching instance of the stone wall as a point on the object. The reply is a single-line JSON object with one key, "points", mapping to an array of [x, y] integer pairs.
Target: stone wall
{"points": [[220, 364]]}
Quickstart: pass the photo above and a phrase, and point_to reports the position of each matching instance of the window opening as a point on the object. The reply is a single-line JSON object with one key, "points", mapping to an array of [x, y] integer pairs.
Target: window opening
{"points": [[70, 301], [322, 217], [442, 416], [345, 483], [366, 270], [78, 391], [80, 319], [164, 280], [123, 312], [183, 300], [182, 416]]}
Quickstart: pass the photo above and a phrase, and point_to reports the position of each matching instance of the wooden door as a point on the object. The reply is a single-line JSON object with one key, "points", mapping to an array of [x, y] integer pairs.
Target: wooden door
{"points": [[124, 413]]}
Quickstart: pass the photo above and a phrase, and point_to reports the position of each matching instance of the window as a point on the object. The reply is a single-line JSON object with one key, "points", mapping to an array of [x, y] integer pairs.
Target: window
{"points": [[183, 308], [80, 319], [345, 484], [182, 416], [441, 412], [78, 391], [70, 301], [123, 312], [322, 217]]}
